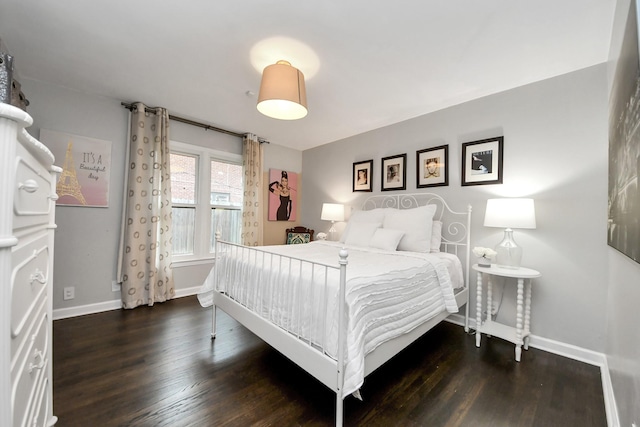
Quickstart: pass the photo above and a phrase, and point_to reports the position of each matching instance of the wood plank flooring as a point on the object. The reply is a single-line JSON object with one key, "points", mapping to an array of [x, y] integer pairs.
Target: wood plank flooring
{"points": [[157, 366]]}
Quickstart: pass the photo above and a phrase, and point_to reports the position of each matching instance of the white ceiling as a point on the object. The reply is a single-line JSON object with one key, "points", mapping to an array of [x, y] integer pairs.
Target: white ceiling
{"points": [[378, 62]]}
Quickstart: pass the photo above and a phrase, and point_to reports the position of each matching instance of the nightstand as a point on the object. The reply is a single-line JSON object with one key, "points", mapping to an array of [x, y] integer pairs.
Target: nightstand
{"points": [[520, 334]]}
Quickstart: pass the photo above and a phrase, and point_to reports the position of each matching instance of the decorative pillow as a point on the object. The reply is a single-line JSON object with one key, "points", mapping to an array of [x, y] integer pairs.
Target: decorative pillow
{"points": [[436, 236], [416, 224], [296, 238], [374, 215], [386, 238], [361, 233]]}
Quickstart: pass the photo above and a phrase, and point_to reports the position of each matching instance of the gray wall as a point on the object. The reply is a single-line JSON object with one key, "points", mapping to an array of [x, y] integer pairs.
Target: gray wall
{"points": [[87, 239], [555, 151], [623, 316], [86, 242]]}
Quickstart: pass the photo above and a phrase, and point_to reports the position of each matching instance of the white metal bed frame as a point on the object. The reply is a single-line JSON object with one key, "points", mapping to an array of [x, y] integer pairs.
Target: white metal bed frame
{"points": [[313, 358]]}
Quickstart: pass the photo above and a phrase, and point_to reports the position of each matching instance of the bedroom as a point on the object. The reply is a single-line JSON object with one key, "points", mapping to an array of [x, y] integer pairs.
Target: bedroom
{"points": [[555, 146]]}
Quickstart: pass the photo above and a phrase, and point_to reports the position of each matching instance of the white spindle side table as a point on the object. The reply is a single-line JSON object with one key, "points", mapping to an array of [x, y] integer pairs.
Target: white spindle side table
{"points": [[520, 334]]}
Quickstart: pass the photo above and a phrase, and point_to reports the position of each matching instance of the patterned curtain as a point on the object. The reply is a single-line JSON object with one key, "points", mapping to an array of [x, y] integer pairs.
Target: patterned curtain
{"points": [[252, 210], [145, 265]]}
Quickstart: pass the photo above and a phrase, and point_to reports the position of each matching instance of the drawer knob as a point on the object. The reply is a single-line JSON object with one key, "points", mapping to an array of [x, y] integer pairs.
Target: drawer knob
{"points": [[38, 277], [38, 359], [30, 186]]}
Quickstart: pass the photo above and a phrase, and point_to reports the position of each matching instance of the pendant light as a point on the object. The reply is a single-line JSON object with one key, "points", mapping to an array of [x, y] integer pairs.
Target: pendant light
{"points": [[282, 92]]}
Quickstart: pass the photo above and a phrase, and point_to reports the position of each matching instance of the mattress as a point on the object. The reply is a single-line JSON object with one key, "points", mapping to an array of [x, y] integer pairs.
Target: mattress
{"points": [[387, 293]]}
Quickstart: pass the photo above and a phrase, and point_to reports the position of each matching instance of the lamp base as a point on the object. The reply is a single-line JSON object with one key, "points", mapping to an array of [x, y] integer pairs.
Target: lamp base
{"points": [[509, 254], [332, 230]]}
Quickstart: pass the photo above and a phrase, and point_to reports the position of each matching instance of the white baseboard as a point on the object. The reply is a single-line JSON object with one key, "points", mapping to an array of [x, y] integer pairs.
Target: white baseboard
{"points": [[572, 352], [545, 344], [613, 420], [81, 310]]}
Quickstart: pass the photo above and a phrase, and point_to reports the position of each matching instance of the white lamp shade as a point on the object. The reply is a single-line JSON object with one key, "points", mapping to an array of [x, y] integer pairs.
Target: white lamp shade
{"points": [[510, 213], [282, 92], [332, 212]]}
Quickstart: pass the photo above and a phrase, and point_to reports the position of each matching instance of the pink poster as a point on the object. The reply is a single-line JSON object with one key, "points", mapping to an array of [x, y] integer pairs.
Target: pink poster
{"points": [[86, 168], [283, 195]]}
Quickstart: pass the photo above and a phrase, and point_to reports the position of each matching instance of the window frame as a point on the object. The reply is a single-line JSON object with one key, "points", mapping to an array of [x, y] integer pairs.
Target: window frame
{"points": [[203, 205]]}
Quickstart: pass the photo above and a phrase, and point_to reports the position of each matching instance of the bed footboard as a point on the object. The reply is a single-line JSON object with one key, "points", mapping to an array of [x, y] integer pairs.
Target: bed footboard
{"points": [[293, 308]]}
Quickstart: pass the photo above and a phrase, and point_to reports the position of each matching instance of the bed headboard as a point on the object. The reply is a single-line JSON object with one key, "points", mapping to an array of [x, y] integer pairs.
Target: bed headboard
{"points": [[456, 226]]}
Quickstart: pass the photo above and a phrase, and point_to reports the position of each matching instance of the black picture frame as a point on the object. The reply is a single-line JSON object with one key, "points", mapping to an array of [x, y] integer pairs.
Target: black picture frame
{"points": [[482, 161], [432, 167], [394, 172], [363, 176]]}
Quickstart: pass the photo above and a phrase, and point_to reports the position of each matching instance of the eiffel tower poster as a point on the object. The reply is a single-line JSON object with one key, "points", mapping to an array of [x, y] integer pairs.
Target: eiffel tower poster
{"points": [[86, 167]]}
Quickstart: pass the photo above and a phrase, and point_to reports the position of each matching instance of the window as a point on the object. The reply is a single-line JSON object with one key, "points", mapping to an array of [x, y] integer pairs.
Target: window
{"points": [[226, 201], [206, 192]]}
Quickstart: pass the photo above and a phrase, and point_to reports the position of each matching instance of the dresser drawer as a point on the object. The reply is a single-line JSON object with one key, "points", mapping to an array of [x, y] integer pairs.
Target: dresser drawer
{"points": [[28, 281], [32, 193], [29, 370], [38, 413]]}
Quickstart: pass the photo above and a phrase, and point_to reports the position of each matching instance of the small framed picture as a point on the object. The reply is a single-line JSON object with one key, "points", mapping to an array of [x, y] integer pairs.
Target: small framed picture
{"points": [[362, 175], [432, 168], [394, 172], [482, 161]]}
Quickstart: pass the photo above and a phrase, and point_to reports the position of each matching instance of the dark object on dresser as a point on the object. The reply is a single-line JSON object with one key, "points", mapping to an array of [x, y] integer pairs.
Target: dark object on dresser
{"points": [[10, 88], [17, 97], [6, 76]]}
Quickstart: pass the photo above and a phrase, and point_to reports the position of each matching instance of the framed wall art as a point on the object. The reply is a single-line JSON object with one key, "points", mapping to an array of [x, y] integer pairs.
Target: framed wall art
{"points": [[86, 168], [363, 175], [432, 167], [482, 161], [283, 195], [394, 172], [624, 146]]}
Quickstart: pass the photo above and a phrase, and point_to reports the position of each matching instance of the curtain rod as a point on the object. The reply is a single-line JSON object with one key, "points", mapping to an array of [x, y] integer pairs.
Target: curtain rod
{"points": [[130, 107]]}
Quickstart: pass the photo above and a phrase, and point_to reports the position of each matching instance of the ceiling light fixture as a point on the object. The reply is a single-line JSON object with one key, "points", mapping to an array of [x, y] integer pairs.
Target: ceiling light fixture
{"points": [[282, 92]]}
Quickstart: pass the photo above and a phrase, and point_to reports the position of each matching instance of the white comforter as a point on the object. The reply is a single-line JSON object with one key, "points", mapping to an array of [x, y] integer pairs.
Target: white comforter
{"points": [[388, 294]]}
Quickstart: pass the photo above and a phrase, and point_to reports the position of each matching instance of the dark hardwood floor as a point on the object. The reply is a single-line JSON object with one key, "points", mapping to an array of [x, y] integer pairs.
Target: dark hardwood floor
{"points": [[157, 366]]}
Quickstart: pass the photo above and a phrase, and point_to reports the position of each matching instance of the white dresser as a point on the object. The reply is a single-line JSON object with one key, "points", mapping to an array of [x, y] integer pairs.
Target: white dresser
{"points": [[27, 208]]}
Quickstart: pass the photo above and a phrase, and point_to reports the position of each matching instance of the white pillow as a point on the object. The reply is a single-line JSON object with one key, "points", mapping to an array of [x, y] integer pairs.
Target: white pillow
{"points": [[374, 215], [416, 224], [386, 238], [436, 236], [361, 233]]}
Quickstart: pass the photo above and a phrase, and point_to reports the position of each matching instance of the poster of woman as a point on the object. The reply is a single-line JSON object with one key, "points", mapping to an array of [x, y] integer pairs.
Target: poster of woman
{"points": [[283, 195]]}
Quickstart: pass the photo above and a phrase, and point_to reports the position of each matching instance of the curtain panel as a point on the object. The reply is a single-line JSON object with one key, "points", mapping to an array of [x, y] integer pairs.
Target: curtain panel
{"points": [[144, 268], [252, 206]]}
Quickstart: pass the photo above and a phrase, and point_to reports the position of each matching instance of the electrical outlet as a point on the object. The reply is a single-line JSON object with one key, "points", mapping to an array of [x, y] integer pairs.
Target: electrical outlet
{"points": [[69, 293], [115, 286]]}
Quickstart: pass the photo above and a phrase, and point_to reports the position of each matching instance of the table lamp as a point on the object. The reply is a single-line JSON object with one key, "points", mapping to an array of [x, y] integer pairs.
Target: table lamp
{"points": [[332, 212], [509, 214]]}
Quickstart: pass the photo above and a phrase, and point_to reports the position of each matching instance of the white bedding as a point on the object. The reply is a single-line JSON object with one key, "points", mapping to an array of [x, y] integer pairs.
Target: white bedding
{"points": [[389, 293]]}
